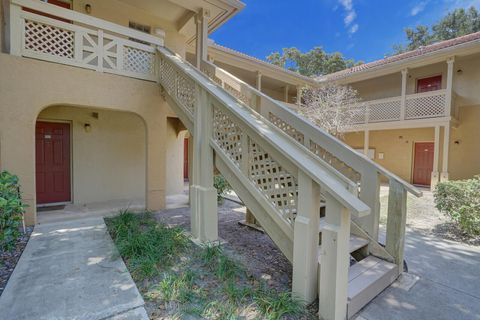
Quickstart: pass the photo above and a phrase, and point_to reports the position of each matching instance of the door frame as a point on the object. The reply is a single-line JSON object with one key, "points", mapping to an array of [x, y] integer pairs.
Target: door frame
{"points": [[426, 77], [70, 126], [413, 160]]}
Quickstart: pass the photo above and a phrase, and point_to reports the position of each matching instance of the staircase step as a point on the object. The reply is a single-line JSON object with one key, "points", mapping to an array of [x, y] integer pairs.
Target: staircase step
{"points": [[355, 244], [367, 279]]}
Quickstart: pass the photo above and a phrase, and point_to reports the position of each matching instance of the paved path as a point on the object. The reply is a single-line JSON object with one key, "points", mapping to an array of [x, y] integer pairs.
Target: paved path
{"points": [[446, 283], [71, 270]]}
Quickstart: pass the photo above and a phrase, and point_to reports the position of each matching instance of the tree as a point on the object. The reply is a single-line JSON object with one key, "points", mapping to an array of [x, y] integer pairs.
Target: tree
{"points": [[315, 62], [455, 24], [331, 107]]}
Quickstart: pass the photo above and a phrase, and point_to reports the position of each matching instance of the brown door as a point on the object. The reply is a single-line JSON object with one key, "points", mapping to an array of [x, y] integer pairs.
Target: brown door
{"points": [[423, 163], [185, 159], [429, 84], [52, 162]]}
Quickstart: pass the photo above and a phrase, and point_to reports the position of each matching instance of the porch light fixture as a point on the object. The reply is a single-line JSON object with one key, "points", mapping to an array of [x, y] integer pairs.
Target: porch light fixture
{"points": [[88, 8], [87, 127]]}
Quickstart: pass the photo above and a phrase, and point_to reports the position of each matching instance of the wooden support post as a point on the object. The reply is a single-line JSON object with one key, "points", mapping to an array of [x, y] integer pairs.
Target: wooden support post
{"points": [[259, 81], [449, 88], [403, 102], [396, 220], [16, 29], [335, 261], [436, 150], [305, 240], [366, 142], [370, 195], [201, 51], [299, 96], [203, 196], [446, 147], [287, 88]]}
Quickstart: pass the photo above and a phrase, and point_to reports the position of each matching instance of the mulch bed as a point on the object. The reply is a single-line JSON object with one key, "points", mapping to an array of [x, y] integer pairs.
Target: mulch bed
{"points": [[9, 259]]}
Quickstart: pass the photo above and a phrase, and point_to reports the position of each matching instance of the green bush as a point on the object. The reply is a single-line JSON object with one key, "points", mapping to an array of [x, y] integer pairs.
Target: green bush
{"points": [[11, 210], [222, 186], [460, 200]]}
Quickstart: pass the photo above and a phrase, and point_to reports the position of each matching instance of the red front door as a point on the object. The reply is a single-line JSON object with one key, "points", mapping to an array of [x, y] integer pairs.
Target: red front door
{"points": [[429, 84], [52, 162], [423, 163]]}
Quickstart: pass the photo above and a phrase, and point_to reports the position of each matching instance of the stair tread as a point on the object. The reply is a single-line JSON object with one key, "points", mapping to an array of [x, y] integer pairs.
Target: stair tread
{"points": [[367, 279], [355, 244]]}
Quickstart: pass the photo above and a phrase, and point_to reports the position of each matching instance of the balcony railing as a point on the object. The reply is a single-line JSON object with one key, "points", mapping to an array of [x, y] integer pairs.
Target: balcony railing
{"points": [[432, 104], [80, 40]]}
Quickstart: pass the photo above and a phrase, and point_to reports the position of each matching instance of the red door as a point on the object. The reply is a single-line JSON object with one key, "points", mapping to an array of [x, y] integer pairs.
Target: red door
{"points": [[52, 162], [185, 159], [423, 163], [429, 84], [64, 4]]}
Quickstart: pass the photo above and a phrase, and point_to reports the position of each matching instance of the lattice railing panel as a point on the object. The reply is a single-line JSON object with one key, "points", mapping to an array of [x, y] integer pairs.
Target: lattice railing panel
{"points": [[46, 39], [212, 76], [237, 94], [285, 127], [278, 185], [429, 106], [138, 61], [338, 164], [228, 136], [384, 111], [358, 114], [177, 85]]}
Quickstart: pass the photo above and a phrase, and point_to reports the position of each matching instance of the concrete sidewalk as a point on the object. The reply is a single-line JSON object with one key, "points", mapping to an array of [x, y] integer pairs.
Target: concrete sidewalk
{"points": [[443, 283], [71, 270]]}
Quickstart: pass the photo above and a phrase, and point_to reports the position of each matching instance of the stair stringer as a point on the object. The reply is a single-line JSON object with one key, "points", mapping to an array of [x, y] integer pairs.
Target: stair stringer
{"points": [[277, 230], [374, 248]]}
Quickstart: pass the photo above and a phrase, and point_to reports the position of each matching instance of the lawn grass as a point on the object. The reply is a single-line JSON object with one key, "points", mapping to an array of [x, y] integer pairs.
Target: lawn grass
{"points": [[180, 280]]}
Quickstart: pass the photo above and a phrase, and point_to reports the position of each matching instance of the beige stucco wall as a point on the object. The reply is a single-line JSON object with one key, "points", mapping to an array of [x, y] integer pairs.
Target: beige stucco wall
{"points": [[174, 159], [111, 156], [28, 86]]}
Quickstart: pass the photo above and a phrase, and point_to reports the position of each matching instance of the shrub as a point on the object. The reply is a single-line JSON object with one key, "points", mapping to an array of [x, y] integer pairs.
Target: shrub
{"points": [[460, 200], [11, 210], [222, 186]]}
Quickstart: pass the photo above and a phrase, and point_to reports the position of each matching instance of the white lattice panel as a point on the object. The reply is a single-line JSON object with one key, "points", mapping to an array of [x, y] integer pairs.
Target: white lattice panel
{"points": [[138, 61], [237, 94], [285, 127], [273, 181], [358, 114], [168, 75], [186, 92], [46, 39], [336, 163], [228, 136], [429, 106], [384, 111], [212, 76]]}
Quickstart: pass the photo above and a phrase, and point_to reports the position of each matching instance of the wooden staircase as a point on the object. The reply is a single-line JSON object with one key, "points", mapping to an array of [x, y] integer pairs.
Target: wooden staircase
{"points": [[287, 171]]}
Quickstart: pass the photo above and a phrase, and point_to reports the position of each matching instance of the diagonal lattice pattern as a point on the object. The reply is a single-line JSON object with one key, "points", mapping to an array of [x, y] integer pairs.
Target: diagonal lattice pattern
{"points": [[384, 111], [228, 136], [43, 38], [273, 181], [288, 129], [336, 163], [177, 85], [425, 107], [237, 94], [138, 61]]}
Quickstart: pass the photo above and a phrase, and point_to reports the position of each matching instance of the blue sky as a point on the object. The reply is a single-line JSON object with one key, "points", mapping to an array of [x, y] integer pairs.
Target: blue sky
{"points": [[360, 29]]}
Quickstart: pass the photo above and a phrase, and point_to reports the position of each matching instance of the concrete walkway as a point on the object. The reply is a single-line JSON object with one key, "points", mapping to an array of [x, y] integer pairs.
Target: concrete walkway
{"points": [[71, 270], [443, 283]]}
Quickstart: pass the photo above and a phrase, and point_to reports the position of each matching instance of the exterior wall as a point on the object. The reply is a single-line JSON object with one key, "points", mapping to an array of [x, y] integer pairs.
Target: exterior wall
{"points": [[378, 88], [111, 157], [28, 86], [465, 83], [174, 159]]}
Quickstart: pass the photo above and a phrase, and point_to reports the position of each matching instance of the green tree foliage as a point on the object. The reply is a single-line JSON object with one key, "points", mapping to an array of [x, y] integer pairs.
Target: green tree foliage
{"points": [[11, 210], [315, 62], [456, 23]]}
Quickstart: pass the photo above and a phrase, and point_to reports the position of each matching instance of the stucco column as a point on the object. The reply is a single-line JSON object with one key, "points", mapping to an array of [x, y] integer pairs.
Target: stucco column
{"points": [[404, 94], [436, 151], [366, 142], [299, 96], [201, 20], [287, 87], [446, 145], [259, 81], [449, 89]]}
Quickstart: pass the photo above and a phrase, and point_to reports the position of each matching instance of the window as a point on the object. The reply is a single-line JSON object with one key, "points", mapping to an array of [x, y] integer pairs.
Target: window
{"points": [[429, 84]]}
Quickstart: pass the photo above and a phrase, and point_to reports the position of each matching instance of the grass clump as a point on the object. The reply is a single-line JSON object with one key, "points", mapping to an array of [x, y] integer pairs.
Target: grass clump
{"points": [[187, 281]]}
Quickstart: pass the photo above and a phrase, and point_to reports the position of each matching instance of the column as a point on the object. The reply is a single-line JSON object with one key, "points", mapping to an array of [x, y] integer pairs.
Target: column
{"points": [[436, 151], [449, 91], [404, 94], [366, 142], [299, 96], [203, 196], [446, 145], [201, 21], [287, 87], [259, 81]]}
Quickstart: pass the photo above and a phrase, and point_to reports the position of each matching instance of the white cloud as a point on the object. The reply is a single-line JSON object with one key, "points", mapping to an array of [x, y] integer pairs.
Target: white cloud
{"points": [[419, 7], [350, 16]]}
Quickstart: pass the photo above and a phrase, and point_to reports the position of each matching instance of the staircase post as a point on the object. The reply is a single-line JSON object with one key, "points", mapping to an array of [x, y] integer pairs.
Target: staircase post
{"points": [[335, 261], [396, 220], [203, 196], [305, 240], [370, 195]]}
